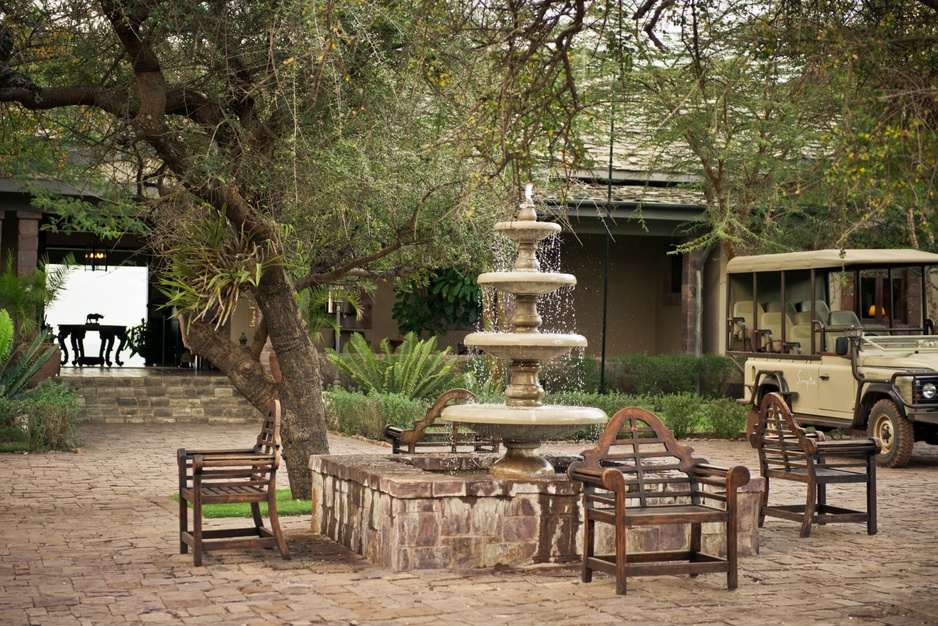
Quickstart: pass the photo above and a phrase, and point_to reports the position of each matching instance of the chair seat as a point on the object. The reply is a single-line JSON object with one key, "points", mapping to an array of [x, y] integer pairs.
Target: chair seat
{"points": [[664, 514]]}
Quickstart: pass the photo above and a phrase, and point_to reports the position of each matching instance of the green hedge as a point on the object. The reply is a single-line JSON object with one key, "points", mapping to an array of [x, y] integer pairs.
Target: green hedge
{"points": [[353, 413], [41, 419], [356, 414]]}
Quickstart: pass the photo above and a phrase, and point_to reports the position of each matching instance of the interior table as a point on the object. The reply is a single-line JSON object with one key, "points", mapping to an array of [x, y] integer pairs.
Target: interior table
{"points": [[108, 334]]}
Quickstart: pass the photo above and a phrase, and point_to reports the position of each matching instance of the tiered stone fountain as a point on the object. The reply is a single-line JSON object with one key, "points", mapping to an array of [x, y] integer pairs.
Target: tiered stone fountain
{"points": [[401, 515], [523, 422]]}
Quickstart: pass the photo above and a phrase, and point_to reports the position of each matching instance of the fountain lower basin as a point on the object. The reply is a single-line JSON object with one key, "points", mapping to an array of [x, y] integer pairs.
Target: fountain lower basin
{"points": [[404, 518], [522, 429]]}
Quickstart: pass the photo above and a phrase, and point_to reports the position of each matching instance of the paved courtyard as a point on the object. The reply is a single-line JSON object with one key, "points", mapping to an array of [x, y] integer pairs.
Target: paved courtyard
{"points": [[91, 538]]}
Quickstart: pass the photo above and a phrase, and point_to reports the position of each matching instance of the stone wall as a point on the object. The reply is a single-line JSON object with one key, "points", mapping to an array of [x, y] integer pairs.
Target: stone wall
{"points": [[160, 397], [404, 519]]}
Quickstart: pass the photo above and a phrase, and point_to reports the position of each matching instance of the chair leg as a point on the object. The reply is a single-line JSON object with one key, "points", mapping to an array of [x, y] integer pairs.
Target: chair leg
{"points": [[589, 529], [765, 503], [809, 507], [732, 551], [183, 524], [821, 500], [275, 525], [871, 495], [622, 555], [256, 514], [197, 530]]}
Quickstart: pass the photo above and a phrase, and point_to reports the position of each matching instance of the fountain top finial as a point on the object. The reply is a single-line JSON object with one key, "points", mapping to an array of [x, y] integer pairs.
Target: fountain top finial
{"points": [[527, 213]]}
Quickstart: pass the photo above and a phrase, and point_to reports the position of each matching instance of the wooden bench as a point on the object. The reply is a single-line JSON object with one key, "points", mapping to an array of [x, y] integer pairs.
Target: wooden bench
{"points": [[232, 476], [787, 452], [639, 475], [427, 435]]}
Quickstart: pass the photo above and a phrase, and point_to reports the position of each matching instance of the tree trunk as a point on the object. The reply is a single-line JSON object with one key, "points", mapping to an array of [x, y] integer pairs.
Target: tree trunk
{"points": [[303, 423]]}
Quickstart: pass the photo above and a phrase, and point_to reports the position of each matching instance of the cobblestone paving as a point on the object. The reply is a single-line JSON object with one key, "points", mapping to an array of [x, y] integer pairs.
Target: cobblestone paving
{"points": [[91, 538]]}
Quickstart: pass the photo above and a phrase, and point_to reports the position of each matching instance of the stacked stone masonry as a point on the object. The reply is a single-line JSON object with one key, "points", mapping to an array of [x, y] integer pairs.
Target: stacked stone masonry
{"points": [[404, 519], [165, 398]]}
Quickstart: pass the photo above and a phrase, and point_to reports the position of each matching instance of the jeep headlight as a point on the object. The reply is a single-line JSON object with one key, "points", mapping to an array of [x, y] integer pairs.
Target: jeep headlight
{"points": [[929, 391], [925, 389]]}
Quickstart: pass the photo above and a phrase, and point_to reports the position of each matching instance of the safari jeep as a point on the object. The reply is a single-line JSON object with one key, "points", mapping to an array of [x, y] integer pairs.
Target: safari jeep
{"points": [[845, 337]]}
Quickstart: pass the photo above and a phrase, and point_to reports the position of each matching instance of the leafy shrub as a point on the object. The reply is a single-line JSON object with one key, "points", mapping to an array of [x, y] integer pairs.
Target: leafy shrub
{"points": [[724, 418], [717, 375], [416, 369], [352, 413], [679, 412], [44, 418]]}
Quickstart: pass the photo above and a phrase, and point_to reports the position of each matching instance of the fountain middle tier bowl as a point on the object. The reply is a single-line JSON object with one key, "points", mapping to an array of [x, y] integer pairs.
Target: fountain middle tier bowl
{"points": [[527, 283], [525, 346], [523, 424]]}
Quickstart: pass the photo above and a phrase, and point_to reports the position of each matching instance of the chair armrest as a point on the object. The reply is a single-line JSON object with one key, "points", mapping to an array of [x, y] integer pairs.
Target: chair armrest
{"points": [[580, 472], [733, 478], [190, 453], [850, 447]]}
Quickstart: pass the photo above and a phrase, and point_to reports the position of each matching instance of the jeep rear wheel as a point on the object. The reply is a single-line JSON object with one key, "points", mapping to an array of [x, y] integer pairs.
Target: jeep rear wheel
{"points": [[895, 431]]}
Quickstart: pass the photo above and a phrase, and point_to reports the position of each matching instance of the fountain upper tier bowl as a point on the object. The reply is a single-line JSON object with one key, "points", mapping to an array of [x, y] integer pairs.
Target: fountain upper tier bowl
{"points": [[527, 283], [525, 346], [527, 230]]}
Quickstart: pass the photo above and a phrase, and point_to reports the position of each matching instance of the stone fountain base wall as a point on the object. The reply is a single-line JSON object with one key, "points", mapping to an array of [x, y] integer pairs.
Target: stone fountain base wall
{"points": [[404, 518]]}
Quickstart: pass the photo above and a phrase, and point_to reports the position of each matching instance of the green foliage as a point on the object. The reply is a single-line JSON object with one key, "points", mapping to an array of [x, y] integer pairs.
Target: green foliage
{"points": [[710, 375], [356, 414], [25, 297], [451, 299], [137, 338], [314, 303], [212, 265], [286, 505], [414, 370], [19, 363], [43, 418], [723, 418], [679, 412]]}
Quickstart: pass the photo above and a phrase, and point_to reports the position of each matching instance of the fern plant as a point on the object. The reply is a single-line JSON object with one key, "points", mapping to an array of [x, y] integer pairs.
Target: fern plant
{"points": [[19, 364], [416, 369]]}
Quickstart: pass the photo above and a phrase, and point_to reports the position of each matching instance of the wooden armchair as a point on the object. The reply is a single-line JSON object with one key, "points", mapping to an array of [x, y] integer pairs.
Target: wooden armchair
{"points": [[427, 434], [787, 452], [639, 475], [227, 476]]}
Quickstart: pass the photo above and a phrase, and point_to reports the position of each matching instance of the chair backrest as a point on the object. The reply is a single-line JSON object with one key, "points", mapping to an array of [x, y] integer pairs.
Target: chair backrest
{"points": [[783, 445], [801, 334], [268, 441], [654, 464], [844, 318], [821, 310]]}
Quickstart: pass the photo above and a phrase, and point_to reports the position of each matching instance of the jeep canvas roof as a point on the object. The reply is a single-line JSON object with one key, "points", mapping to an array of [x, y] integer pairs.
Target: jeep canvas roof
{"points": [[818, 259]]}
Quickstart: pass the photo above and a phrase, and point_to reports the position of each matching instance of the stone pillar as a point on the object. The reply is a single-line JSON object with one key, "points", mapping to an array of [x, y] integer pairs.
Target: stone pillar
{"points": [[27, 243]]}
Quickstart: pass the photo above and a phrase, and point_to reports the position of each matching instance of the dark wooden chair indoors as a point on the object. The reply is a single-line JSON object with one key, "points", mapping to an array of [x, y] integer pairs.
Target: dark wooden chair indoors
{"points": [[639, 475], [232, 476], [788, 452], [428, 435]]}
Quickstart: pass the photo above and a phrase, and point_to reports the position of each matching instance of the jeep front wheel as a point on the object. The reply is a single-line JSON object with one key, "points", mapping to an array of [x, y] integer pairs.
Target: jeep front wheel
{"points": [[895, 431]]}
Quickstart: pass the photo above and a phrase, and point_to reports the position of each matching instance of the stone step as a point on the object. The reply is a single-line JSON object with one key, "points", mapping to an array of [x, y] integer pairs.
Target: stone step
{"points": [[145, 395]]}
